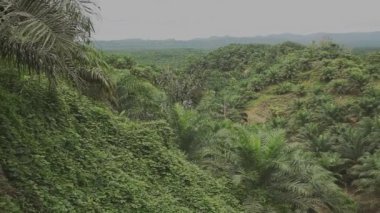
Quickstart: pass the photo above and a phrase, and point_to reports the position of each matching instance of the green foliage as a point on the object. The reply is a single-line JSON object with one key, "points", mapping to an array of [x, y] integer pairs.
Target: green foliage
{"points": [[48, 37], [282, 128], [269, 174], [300, 90], [173, 58], [140, 100], [327, 94], [358, 78], [291, 177], [61, 152], [368, 180], [222, 106], [120, 62], [341, 87], [256, 84], [370, 101], [328, 74], [233, 57], [284, 88]]}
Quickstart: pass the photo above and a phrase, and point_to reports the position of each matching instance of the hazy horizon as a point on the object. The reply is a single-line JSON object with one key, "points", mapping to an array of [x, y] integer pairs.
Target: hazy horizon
{"points": [[227, 36], [186, 20]]}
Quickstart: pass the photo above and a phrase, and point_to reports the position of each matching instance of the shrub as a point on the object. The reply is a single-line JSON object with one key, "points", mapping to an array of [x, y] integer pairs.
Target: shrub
{"points": [[256, 84], [300, 90], [318, 90], [284, 88], [357, 78], [367, 174], [327, 74], [341, 87], [370, 101], [273, 75]]}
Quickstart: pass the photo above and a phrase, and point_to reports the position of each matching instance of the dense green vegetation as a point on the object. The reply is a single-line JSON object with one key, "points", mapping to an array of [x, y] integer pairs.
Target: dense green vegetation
{"points": [[244, 128], [289, 124], [166, 58], [61, 152]]}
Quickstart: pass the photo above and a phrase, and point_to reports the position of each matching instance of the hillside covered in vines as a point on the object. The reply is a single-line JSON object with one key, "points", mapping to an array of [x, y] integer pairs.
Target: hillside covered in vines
{"points": [[244, 128]]}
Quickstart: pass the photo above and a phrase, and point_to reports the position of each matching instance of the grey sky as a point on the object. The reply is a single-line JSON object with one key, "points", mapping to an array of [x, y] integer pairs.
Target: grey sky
{"points": [[186, 19]]}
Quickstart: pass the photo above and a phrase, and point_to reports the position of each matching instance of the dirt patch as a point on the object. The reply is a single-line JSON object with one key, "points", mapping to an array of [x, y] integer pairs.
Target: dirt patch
{"points": [[258, 114], [263, 109]]}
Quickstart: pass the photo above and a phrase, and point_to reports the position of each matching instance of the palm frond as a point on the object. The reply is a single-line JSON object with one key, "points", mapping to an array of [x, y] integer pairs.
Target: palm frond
{"points": [[48, 36]]}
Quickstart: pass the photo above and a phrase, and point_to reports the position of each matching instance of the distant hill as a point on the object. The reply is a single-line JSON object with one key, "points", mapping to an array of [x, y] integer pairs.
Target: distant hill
{"points": [[350, 40]]}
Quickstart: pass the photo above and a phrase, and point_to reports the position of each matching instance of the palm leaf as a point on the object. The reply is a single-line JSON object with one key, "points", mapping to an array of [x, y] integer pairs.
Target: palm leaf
{"points": [[48, 37]]}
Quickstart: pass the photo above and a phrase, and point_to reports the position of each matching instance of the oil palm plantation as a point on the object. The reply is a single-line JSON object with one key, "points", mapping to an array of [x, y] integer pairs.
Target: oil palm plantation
{"points": [[284, 175], [49, 37], [272, 175], [367, 182]]}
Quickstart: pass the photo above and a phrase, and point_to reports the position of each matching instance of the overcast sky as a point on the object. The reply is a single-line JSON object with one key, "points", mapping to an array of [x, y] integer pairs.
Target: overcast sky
{"points": [[187, 19]]}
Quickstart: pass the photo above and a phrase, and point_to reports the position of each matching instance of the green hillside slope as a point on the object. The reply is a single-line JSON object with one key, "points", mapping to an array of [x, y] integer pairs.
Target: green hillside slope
{"points": [[245, 128], [261, 128], [326, 100], [60, 152]]}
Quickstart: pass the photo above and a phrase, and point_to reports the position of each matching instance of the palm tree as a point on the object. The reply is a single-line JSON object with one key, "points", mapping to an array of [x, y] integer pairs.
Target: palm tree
{"points": [[287, 176], [353, 143], [272, 176], [367, 181], [140, 99], [49, 37]]}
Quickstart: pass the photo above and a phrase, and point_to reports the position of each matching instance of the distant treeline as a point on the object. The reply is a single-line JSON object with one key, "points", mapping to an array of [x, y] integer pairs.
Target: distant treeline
{"points": [[350, 40]]}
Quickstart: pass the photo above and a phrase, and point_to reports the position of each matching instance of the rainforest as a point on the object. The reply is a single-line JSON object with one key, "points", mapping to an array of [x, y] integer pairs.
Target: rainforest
{"points": [[246, 127]]}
